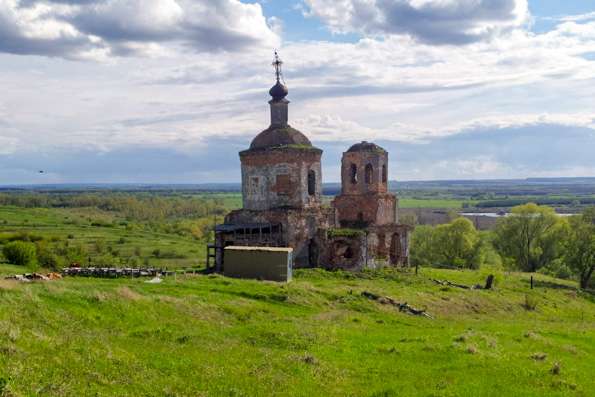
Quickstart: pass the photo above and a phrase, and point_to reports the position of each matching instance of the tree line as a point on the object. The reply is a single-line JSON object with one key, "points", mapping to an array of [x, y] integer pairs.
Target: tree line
{"points": [[137, 207], [532, 238]]}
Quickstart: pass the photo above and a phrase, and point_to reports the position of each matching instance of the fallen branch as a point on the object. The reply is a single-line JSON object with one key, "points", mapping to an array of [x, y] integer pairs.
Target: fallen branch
{"points": [[488, 284], [403, 307], [450, 284]]}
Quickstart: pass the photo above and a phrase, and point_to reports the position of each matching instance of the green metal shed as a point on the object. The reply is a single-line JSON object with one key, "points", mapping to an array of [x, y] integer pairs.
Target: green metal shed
{"points": [[262, 263]]}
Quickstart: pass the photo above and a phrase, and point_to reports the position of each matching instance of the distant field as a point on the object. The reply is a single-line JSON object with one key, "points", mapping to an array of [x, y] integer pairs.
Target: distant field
{"points": [[431, 203], [317, 336], [450, 199], [234, 200], [230, 200], [90, 227]]}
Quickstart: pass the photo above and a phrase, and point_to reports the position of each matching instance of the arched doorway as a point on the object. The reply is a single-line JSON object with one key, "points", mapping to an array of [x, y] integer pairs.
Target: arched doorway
{"points": [[312, 253], [396, 249]]}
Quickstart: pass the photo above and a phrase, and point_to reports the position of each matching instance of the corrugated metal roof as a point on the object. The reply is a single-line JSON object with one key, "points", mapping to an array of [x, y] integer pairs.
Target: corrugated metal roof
{"points": [[267, 249], [230, 227]]}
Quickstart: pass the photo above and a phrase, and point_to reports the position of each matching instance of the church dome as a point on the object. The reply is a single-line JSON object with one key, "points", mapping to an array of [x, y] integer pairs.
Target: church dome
{"points": [[279, 136], [364, 146], [278, 91]]}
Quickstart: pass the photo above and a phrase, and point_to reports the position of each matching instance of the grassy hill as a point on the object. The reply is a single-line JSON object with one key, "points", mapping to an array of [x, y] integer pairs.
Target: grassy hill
{"points": [[208, 335]]}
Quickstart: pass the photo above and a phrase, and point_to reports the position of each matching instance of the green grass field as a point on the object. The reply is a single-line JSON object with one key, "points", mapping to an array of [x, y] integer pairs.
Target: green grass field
{"points": [[316, 336]]}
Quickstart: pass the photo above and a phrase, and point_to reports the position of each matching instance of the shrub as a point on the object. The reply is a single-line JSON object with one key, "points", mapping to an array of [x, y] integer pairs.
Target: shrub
{"points": [[3, 385], [99, 245], [49, 260], [171, 255], [556, 268], [530, 302], [344, 232], [20, 236], [20, 253]]}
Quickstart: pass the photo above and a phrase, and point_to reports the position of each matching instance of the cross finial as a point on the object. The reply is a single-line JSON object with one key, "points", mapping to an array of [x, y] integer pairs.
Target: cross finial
{"points": [[277, 64]]}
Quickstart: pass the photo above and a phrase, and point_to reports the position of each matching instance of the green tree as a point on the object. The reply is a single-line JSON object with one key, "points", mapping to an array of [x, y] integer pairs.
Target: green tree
{"points": [[408, 219], [77, 253], [99, 246], [20, 253], [458, 243], [531, 237], [579, 252], [422, 246], [47, 258]]}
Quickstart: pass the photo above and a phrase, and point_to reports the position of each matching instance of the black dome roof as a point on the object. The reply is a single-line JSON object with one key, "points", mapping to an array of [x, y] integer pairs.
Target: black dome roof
{"points": [[364, 146], [278, 91]]}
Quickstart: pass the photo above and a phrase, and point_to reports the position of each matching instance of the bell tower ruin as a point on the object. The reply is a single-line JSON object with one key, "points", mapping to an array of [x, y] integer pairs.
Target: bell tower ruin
{"points": [[364, 198]]}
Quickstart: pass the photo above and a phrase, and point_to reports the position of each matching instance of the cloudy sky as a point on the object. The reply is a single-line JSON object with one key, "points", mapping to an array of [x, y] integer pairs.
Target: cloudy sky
{"points": [[168, 91]]}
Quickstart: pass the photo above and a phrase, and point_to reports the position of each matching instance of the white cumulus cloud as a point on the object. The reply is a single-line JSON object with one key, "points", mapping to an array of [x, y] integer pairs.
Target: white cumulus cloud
{"points": [[99, 29], [431, 21]]}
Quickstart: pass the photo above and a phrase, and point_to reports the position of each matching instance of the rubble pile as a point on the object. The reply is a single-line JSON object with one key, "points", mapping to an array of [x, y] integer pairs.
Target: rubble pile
{"points": [[112, 272], [28, 277]]}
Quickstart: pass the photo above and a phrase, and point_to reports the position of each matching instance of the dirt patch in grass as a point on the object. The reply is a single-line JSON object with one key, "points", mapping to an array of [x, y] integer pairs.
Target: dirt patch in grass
{"points": [[99, 296], [539, 356], [127, 293], [8, 285], [331, 316]]}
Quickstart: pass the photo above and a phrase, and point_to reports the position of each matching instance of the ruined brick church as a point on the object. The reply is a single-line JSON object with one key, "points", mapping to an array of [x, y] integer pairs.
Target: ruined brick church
{"points": [[282, 206]]}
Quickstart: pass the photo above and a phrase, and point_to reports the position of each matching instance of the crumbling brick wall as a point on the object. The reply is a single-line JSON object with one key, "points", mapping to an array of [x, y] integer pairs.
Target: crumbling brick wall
{"points": [[299, 229], [344, 250], [390, 243], [279, 177], [365, 210]]}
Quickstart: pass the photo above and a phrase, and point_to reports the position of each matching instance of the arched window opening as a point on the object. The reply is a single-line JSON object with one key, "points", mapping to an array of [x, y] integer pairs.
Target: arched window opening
{"points": [[384, 174], [342, 250], [381, 241], [348, 253], [369, 173], [353, 171], [311, 182]]}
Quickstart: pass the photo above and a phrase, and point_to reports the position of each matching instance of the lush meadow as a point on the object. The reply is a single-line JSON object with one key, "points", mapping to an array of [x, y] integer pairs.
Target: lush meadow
{"points": [[208, 335]]}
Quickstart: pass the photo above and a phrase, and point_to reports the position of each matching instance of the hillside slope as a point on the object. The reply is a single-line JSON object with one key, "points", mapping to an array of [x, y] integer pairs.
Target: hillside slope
{"points": [[208, 335]]}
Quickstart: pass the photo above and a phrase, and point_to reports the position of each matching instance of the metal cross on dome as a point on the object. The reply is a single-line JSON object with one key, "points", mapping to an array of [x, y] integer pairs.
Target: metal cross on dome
{"points": [[277, 64]]}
